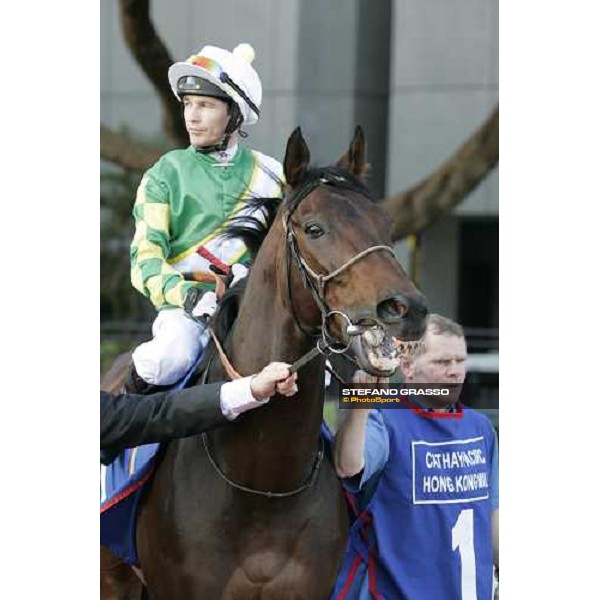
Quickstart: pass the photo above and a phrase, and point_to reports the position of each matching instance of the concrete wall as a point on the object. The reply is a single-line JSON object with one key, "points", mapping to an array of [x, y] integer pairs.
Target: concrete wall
{"points": [[443, 85], [343, 74]]}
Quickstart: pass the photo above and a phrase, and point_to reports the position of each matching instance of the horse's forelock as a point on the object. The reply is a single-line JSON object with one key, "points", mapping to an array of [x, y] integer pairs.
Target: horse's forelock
{"points": [[336, 177]]}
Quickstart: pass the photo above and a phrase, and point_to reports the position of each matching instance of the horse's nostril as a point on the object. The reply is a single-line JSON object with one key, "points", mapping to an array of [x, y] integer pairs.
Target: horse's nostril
{"points": [[398, 307], [392, 308]]}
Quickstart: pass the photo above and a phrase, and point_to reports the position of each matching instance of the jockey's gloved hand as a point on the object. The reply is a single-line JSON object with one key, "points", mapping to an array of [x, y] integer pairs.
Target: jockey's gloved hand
{"points": [[206, 306], [237, 273], [200, 305]]}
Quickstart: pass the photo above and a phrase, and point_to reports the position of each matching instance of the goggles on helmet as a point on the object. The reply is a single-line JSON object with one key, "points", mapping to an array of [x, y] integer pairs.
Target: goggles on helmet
{"points": [[190, 84], [214, 68]]}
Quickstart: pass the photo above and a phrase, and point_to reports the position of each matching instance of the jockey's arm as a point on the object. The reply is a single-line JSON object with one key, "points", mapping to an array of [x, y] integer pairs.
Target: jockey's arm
{"points": [[151, 274]]}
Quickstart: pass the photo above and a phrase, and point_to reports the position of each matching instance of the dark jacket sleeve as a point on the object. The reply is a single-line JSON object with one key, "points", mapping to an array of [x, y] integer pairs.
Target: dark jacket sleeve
{"points": [[128, 420]]}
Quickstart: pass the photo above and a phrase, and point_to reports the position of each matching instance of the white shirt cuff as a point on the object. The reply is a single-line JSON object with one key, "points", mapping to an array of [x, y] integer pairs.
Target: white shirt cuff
{"points": [[237, 398]]}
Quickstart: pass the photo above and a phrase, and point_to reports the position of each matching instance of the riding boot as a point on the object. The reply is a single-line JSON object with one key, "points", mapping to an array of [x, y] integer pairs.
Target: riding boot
{"points": [[134, 384]]}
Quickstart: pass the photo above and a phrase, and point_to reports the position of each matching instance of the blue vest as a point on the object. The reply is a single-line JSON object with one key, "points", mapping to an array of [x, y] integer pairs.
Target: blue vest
{"points": [[426, 533]]}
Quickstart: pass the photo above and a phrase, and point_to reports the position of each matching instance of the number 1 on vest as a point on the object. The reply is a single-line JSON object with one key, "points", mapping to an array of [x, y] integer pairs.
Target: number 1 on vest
{"points": [[462, 539]]}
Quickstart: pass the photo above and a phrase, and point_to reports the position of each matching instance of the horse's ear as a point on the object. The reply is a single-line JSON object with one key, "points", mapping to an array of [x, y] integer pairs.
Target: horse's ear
{"points": [[297, 157], [355, 160]]}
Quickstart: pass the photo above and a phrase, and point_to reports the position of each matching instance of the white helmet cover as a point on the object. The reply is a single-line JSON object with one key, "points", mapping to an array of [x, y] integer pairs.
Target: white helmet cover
{"points": [[220, 66]]}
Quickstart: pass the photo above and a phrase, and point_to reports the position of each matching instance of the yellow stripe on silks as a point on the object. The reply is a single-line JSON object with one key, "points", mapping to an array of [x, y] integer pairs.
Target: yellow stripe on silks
{"points": [[147, 250], [137, 279], [237, 258], [248, 191], [155, 285], [141, 230], [140, 196], [239, 205], [184, 254], [156, 216], [174, 296], [159, 296], [273, 178]]}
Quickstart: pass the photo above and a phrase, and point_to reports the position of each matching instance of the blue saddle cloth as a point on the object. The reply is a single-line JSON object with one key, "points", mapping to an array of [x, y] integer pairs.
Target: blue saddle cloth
{"points": [[122, 484]]}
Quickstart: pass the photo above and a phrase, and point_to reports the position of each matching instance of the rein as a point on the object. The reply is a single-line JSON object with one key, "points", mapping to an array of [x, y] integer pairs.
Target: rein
{"points": [[233, 374], [238, 486], [305, 485]]}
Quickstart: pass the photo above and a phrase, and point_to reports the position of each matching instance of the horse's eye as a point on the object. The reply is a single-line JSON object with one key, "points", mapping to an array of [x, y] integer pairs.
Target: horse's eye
{"points": [[313, 230]]}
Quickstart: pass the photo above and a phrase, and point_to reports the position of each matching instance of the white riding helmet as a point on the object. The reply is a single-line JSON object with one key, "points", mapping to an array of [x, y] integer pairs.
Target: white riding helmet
{"points": [[232, 72]]}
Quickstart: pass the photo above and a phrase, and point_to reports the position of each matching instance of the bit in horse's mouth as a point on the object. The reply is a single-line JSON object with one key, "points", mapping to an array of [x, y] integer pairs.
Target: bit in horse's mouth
{"points": [[379, 353]]}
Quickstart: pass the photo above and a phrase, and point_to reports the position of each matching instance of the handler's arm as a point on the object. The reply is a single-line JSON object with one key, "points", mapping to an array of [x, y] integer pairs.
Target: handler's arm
{"points": [[362, 448], [350, 443], [362, 442]]}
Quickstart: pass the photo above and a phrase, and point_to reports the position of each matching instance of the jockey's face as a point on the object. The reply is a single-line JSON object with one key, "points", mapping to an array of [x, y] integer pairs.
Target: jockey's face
{"points": [[205, 119]]}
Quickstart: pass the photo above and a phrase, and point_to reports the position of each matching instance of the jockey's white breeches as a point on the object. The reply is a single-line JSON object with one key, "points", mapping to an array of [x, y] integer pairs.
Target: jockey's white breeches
{"points": [[176, 345]]}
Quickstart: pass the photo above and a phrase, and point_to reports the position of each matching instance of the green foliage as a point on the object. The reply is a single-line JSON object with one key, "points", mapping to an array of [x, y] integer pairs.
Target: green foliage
{"points": [[330, 414], [109, 350]]}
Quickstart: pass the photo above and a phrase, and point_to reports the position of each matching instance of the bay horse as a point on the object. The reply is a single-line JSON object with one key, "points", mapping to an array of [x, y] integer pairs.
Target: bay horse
{"points": [[251, 511]]}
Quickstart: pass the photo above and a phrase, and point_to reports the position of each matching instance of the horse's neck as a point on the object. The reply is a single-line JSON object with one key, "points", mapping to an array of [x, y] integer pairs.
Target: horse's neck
{"points": [[283, 436], [265, 322]]}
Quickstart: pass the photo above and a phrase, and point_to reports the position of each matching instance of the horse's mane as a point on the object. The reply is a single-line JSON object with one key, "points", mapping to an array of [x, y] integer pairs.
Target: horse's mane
{"points": [[253, 230]]}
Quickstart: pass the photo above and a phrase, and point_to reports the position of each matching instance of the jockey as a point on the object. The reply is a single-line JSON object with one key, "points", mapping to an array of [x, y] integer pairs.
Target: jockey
{"points": [[184, 203]]}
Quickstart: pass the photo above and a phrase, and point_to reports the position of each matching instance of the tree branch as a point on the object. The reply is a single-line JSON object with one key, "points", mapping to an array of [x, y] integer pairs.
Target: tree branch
{"points": [[127, 152], [423, 204], [154, 59]]}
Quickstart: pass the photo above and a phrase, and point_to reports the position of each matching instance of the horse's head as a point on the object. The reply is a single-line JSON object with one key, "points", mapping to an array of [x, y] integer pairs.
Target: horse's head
{"points": [[342, 276]]}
